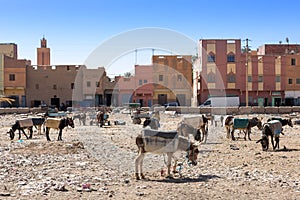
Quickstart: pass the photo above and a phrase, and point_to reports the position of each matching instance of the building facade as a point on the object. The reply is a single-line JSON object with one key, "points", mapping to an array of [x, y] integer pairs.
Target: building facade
{"points": [[173, 79], [51, 85], [224, 73], [13, 74], [288, 62]]}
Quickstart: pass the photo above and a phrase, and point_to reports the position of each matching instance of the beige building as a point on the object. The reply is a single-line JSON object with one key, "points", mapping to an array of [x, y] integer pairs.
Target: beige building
{"points": [[13, 74], [172, 77], [51, 85]]}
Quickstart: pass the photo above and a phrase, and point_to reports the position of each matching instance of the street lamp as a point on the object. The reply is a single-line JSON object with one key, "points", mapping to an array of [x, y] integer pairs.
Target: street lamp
{"points": [[247, 49]]}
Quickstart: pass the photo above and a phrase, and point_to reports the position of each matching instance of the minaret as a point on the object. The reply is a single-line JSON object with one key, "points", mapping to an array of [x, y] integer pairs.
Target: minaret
{"points": [[43, 53]]}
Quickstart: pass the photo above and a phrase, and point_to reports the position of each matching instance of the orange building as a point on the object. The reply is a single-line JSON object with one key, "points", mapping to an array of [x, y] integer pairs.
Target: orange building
{"points": [[173, 79], [13, 83]]}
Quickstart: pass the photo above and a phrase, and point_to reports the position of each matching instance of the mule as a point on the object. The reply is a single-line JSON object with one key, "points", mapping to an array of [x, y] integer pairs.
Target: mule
{"points": [[160, 142], [81, 118], [271, 129], [58, 123], [200, 122], [153, 123], [242, 124], [27, 123]]}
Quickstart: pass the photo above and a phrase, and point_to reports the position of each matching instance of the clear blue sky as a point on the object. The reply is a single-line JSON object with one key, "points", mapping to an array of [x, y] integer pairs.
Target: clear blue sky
{"points": [[75, 28]]}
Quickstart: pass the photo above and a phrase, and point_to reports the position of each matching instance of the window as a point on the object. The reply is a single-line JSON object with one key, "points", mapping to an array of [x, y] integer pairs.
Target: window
{"points": [[231, 78], [88, 84], [145, 81], [179, 78], [140, 82], [72, 86], [54, 87], [211, 58], [37, 86], [249, 78], [293, 61], [211, 78], [260, 79], [277, 79], [68, 68], [12, 77], [290, 81], [161, 78], [230, 58], [97, 84], [297, 80]]}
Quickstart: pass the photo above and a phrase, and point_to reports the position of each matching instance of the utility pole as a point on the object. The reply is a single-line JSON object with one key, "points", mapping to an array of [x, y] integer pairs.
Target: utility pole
{"points": [[247, 49]]}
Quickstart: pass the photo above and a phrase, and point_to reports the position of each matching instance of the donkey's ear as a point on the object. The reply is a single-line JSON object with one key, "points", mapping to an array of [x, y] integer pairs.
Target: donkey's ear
{"points": [[258, 141]]}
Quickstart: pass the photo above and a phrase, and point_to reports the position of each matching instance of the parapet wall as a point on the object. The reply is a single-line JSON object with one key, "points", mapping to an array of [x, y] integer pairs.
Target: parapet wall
{"points": [[190, 110], [236, 110], [20, 110]]}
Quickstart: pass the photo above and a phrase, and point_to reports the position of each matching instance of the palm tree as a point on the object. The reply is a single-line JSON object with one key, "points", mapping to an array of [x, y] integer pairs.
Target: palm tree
{"points": [[127, 75], [6, 99]]}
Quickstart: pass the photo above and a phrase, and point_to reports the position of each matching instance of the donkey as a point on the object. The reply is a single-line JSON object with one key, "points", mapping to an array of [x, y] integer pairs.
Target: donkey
{"points": [[271, 129], [153, 123], [200, 122], [186, 130], [283, 122], [27, 123], [243, 124], [58, 123], [81, 118], [160, 142]]}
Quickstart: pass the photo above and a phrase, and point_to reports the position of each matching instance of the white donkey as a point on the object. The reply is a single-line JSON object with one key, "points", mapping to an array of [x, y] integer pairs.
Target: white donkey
{"points": [[160, 142]]}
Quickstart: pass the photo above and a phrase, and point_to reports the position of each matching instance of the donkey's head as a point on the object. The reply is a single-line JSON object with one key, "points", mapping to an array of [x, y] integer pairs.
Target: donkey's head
{"points": [[70, 122], [193, 152], [11, 133]]}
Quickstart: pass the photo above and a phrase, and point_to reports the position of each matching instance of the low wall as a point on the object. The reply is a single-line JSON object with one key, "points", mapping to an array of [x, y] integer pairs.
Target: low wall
{"points": [[236, 110], [190, 110], [20, 110]]}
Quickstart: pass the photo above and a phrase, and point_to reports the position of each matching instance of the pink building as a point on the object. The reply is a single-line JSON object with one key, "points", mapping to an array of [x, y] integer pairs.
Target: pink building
{"points": [[137, 88], [223, 73]]}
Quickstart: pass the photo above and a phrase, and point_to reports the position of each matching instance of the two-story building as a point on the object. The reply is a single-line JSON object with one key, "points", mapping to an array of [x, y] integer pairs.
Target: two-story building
{"points": [[173, 79], [13, 74]]}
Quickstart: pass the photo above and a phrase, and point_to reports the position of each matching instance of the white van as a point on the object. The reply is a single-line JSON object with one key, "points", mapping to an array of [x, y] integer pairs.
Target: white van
{"points": [[221, 102]]}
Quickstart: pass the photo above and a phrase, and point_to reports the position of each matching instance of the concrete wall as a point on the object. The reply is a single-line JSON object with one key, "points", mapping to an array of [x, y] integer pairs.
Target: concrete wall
{"points": [[236, 110], [189, 110]]}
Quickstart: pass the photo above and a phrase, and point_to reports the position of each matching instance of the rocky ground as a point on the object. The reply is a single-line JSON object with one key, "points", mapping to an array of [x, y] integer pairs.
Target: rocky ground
{"points": [[98, 163]]}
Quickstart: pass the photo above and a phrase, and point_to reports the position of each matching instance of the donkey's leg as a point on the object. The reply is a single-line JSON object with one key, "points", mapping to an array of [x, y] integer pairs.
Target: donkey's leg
{"points": [[138, 166], [59, 134], [232, 134], [175, 164], [47, 134], [276, 142], [170, 155], [272, 140], [23, 133], [249, 132], [227, 132], [31, 132], [141, 165]]}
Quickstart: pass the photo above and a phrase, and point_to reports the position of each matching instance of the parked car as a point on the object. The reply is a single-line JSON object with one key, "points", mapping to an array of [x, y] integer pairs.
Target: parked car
{"points": [[171, 104]]}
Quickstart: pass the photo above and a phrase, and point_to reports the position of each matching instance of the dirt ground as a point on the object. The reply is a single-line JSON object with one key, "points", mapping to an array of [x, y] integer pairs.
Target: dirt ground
{"points": [[98, 163]]}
